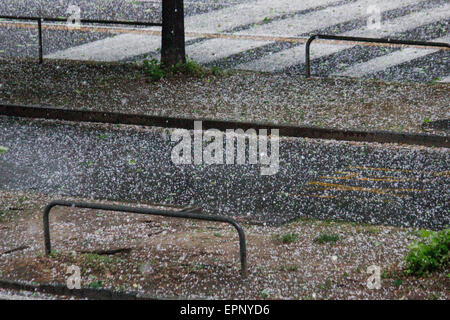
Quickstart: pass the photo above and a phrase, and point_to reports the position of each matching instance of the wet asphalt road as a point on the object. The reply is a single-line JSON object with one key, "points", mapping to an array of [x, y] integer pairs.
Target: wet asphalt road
{"points": [[377, 184]]}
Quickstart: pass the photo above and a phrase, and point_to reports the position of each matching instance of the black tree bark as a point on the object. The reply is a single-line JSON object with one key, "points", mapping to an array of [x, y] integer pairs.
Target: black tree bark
{"points": [[173, 46]]}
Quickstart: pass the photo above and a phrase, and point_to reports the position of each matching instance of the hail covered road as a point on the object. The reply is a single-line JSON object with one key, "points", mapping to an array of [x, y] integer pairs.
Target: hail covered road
{"points": [[401, 19], [379, 184]]}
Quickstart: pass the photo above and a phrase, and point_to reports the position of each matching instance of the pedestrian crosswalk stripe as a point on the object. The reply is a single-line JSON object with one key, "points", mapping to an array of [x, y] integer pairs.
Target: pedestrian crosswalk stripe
{"points": [[446, 79], [247, 13], [214, 49], [303, 24], [389, 60], [220, 49], [212, 22], [109, 49], [296, 55]]}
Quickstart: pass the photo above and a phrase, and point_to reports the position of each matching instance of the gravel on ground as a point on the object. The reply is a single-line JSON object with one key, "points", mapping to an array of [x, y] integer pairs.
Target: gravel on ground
{"points": [[179, 258], [234, 95]]}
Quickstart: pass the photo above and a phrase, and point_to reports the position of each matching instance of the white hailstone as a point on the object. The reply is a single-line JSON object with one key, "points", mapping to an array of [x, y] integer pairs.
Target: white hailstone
{"points": [[334, 258], [146, 268]]}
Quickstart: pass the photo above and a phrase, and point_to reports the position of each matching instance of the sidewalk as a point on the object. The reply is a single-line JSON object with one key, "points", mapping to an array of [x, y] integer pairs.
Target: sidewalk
{"points": [[237, 95]]}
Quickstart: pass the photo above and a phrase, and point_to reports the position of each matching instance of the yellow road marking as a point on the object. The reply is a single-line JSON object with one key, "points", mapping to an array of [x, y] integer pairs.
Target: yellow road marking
{"points": [[342, 187], [383, 178], [320, 196], [354, 175], [317, 186], [379, 169], [341, 197], [443, 173]]}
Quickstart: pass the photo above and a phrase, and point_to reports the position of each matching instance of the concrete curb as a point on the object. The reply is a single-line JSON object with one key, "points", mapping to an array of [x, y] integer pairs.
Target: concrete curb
{"points": [[34, 112], [62, 290]]}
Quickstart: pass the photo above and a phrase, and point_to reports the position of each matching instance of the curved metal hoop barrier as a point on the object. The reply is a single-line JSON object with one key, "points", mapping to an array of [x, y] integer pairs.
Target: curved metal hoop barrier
{"points": [[368, 40], [40, 20], [145, 211]]}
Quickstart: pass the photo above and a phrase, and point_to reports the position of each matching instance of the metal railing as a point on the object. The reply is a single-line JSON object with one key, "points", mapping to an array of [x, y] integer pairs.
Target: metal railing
{"points": [[40, 20], [146, 211], [369, 40]]}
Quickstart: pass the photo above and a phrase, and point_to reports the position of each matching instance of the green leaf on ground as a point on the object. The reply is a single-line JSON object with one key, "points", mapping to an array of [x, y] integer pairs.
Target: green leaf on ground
{"points": [[3, 149]]}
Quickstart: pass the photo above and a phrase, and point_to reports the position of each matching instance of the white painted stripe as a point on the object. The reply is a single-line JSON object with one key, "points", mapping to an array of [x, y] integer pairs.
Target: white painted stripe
{"points": [[220, 20], [220, 48], [212, 22], [324, 18], [389, 60], [290, 57], [296, 55], [446, 79], [405, 23], [248, 13], [109, 49], [215, 49]]}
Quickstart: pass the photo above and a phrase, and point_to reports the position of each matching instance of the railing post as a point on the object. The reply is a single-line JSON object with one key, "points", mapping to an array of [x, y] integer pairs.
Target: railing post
{"points": [[41, 58], [46, 222], [307, 55], [243, 250]]}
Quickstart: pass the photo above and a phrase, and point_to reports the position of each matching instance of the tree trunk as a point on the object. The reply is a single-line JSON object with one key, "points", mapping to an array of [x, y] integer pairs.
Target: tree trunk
{"points": [[173, 47]]}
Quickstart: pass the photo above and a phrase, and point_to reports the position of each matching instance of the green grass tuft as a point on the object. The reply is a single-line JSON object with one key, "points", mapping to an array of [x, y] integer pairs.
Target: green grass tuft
{"points": [[429, 254], [156, 71], [286, 237], [3, 150], [326, 238]]}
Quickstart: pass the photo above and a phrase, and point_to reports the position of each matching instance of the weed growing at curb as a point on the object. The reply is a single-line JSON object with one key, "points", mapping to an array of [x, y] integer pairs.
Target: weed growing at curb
{"points": [[286, 238], [264, 294], [95, 283], [326, 238], [153, 69], [428, 254], [156, 71], [93, 260], [289, 267], [3, 150]]}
